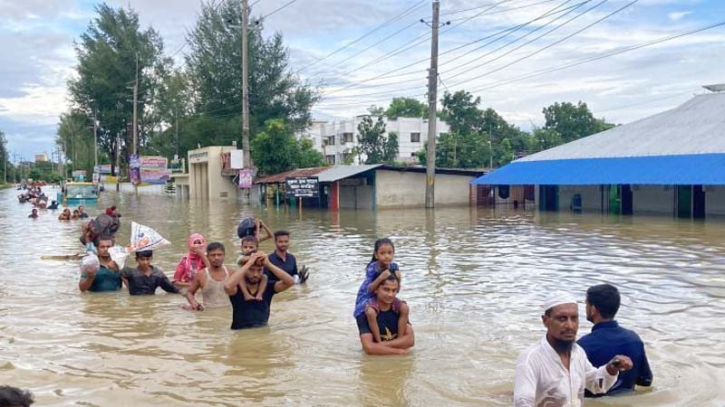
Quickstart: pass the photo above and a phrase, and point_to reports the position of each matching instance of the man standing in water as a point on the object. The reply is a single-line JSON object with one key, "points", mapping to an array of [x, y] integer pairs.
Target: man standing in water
{"points": [[555, 371], [609, 339], [393, 342], [107, 278], [254, 313], [145, 278], [210, 281], [285, 260]]}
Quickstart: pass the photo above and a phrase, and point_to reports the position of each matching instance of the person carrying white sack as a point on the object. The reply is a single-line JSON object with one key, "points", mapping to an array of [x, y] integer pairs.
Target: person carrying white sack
{"points": [[100, 273], [555, 371]]}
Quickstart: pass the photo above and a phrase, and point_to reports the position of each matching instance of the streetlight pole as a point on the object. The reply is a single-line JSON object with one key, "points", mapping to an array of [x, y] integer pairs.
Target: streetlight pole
{"points": [[432, 97]]}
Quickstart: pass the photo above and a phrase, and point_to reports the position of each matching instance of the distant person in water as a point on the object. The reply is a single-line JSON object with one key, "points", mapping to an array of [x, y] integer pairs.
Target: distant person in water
{"points": [[145, 278], [53, 205], [65, 215], [14, 397], [192, 262], [251, 226], [210, 281], [81, 212], [33, 214], [75, 215]]}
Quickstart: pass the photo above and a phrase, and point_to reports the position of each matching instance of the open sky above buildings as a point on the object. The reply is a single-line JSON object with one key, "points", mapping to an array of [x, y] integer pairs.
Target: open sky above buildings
{"points": [[571, 50]]}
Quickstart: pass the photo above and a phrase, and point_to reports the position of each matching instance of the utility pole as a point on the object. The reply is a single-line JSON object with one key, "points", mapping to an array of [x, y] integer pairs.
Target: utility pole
{"points": [[245, 82], [135, 120], [432, 97], [118, 162], [95, 145]]}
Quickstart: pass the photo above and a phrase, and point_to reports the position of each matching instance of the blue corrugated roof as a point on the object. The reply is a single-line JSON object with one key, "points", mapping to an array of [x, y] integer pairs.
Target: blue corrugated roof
{"points": [[688, 169]]}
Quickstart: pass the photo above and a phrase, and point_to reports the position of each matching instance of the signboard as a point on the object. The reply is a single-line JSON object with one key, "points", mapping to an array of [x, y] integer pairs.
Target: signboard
{"points": [[134, 169], [237, 159], [153, 162], [103, 169], [158, 177], [303, 187], [177, 166], [245, 178]]}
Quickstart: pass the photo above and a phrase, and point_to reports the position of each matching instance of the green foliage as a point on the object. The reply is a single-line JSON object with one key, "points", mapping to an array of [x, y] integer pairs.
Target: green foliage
{"points": [[546, 138], [276, 150], [75, 139], [372, 142], [573, 122], [4, 159], [107, 54], [214, 70], [406, 107]]}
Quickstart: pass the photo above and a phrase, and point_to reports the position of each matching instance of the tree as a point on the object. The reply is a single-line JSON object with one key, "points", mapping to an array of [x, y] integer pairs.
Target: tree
{"points": [[107, 56], [406, 107], [276, 150], [75, 139], [215, 72], [373, 143], [573, 122], [545, 138], [175, 104], [4, 157]]}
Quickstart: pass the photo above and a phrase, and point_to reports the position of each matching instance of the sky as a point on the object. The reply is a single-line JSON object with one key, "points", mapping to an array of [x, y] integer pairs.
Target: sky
{"points": [[517, 55]]}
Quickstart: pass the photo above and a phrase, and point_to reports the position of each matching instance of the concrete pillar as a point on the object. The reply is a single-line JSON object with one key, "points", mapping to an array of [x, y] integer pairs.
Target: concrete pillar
{"points": [[335, 196]]}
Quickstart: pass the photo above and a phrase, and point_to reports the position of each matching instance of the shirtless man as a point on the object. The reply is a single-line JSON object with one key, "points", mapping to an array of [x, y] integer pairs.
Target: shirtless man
{"points": [[210, 281]]}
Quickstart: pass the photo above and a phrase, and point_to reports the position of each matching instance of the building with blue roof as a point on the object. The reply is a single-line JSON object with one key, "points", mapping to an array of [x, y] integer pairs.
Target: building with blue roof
{"points": [[669, 163]]}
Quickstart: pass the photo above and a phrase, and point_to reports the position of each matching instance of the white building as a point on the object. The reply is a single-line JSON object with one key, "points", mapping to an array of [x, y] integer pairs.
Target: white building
{"points": [[336, 139]]}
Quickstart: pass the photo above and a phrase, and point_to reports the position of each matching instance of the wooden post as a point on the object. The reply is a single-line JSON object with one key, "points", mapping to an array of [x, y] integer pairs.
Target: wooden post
{"points": [[299, 203]]}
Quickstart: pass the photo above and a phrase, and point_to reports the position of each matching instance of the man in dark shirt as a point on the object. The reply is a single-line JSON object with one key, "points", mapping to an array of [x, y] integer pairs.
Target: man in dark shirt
{"points": [[285, 260], [393, 342], [608, 339], [254, 313], [145, 278]]}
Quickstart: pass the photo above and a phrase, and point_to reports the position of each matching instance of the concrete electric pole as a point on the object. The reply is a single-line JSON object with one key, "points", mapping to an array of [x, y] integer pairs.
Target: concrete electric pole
{"points": [[432, 97], [245, 82]]}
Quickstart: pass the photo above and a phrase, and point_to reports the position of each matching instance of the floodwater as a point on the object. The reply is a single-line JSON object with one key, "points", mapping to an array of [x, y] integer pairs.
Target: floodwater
{"points": [[474, 279]]}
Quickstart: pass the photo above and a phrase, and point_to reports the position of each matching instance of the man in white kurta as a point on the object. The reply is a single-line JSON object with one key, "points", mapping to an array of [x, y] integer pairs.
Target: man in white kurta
{"points": [[555, 371]]}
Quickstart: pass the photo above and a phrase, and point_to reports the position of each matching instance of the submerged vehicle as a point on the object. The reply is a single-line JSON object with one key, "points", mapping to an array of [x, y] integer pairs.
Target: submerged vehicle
{"points": [[79, 193]]}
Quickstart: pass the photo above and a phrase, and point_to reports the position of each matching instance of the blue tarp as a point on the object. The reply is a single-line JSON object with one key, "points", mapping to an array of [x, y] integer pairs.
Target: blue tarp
{"points": [[691, 169]]}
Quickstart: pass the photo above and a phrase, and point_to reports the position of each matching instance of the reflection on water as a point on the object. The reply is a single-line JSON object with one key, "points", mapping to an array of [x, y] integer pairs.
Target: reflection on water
{"points": [[474, 279]]}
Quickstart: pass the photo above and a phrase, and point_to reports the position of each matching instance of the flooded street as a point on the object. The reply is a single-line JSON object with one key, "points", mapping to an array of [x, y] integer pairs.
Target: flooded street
{"points": [[474, 279]]}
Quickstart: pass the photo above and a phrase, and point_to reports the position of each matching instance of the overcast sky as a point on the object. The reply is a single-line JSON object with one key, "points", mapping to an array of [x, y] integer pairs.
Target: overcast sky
{"points": [[37, 58]]}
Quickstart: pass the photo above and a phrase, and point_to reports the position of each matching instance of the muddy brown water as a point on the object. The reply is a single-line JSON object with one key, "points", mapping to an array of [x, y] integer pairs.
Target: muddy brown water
{"points": [[474, 279]]}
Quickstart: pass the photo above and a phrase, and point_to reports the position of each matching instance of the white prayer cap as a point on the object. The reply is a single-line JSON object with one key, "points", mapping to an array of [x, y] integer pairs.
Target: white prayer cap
{"points": [[558, 298]]}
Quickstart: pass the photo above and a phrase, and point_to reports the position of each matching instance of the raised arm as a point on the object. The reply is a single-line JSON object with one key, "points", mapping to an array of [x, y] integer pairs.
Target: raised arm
{"points": [[267, 231], [86, 281], [231, 285], [379, 280]]}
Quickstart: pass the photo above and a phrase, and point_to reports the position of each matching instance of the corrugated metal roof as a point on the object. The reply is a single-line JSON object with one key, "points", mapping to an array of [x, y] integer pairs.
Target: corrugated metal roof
{"points": [[302, 172], [695, 127], [693, 169], [339, 172]]}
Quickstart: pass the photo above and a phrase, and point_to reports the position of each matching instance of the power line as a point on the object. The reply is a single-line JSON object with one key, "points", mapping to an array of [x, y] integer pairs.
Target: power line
{"points": [[284, 6], [550, 45], [403, 48], [526, 35], [388, 74], [495, 12], [355, 41], [597, 58]]}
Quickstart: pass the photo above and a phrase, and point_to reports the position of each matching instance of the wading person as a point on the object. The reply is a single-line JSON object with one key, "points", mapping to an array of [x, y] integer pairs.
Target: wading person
{"points": [[33, 214], [210, 281], [555, 371], [251, 226], [65, 215], [81, 212], [107, 278], [145, 278], [284, 259], [392, 341], [608, 339], [192, 262], [253, 313]]}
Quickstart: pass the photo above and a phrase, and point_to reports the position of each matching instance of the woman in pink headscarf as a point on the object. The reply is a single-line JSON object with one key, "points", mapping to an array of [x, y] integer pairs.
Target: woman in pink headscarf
{"points": [[193, 262]]}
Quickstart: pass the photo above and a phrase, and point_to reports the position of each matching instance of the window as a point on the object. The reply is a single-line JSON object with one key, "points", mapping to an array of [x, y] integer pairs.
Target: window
{"points": [[331, 141], [415, 137], [346, 138], [330, 159]]}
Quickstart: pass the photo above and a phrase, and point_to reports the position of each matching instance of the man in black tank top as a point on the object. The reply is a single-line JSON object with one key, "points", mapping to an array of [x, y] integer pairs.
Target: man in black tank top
{"points": [[393, 341]]}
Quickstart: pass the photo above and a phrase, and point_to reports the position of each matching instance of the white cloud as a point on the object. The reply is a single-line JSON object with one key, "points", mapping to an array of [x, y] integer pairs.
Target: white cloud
{"points": [[678, 15]]}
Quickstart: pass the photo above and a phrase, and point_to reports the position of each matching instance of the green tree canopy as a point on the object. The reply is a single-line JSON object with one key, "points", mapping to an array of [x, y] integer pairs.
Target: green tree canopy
{"points": [[107, 56], [275, 150], [573, 122], [406, 107], [75, 139], [374, 144]]}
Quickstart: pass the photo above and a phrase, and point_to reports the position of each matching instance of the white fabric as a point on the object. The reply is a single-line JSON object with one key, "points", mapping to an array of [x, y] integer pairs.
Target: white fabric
{"points": [[558, 298], [543, 381]]}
